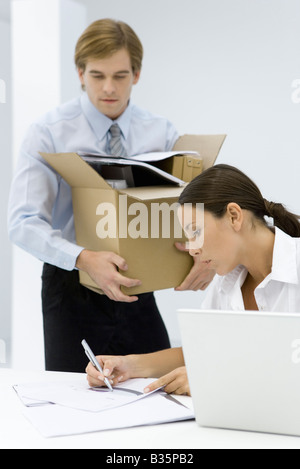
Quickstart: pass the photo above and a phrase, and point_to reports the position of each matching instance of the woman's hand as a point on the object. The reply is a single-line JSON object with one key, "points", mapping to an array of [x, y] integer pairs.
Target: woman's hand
{"points": [[175, 382], [116, 369], [200, 275]]}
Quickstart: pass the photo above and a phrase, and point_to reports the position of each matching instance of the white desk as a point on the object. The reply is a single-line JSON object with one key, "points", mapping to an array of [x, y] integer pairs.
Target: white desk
{"points": [[17, 433]]}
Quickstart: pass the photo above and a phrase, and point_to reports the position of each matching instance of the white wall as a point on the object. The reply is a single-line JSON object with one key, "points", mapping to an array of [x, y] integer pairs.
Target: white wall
{"points": [[217, 66], [5, 175], [43, 77]]}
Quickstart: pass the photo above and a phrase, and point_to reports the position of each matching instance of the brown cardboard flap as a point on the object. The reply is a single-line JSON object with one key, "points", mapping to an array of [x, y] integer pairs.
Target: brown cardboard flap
{"points": [[75, 171], [192, 167], [208, 146], [184, 167]]}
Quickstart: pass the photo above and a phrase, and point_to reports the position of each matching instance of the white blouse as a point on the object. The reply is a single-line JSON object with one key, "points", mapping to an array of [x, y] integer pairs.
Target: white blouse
{"points": [[279, 291]]}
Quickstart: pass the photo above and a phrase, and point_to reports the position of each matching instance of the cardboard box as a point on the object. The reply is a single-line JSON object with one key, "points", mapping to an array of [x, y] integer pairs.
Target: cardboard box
{"points": [[129, 222]]}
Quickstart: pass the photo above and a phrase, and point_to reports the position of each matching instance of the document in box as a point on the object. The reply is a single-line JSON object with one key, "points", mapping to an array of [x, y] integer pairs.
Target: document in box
{"points": [[150, 157], [144, 168], [79, 395]]}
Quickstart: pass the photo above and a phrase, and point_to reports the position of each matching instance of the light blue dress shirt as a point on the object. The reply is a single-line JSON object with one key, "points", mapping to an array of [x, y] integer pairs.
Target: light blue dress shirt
{"points": [[40, 213]]}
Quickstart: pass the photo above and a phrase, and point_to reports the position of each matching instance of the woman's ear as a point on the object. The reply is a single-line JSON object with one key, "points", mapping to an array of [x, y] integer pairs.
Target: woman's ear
{"points": [[235, 215]]}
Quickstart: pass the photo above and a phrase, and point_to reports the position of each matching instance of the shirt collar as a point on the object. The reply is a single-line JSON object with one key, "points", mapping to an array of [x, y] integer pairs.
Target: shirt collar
{"points": [[284, 267], [101, 123]]}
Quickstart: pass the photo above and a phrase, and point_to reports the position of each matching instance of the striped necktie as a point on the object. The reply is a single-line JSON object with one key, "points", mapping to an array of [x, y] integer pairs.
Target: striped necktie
{"points": [[115, 146]]}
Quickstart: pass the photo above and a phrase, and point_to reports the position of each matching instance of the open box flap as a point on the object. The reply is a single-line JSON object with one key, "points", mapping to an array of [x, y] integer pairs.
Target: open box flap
{"points": [[208, 146], [75, 171]]}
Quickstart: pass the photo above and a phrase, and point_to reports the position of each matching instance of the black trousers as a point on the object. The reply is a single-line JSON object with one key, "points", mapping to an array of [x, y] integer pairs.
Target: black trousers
{"points": [[72, 313]]}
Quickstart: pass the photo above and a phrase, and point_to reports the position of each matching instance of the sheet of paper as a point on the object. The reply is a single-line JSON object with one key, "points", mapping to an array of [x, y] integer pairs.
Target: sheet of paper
{"points": [[56, 420], [150, 157], [159, 156], [79, 395]]}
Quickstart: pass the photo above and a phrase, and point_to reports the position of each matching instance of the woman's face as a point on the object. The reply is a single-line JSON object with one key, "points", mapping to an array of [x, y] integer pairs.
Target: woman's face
{"points": [[213, 239]]}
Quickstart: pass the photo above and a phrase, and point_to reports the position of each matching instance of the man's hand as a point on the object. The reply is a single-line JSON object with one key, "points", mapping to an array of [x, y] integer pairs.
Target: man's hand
{"points": [[103, 267], [200, 275], [175, 382]]}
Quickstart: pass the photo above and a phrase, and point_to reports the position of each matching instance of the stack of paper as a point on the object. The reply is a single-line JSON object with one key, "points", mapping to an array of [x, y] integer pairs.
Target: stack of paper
{"points": [[150, 172], [72, 407], [150, 157]]}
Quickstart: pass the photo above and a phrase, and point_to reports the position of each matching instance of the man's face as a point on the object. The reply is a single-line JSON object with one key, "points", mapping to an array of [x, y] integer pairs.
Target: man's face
{"points": [[108, 82]]}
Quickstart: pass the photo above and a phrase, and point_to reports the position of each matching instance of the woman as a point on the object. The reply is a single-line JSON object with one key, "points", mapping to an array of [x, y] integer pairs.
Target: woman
{"points": [[257, 265]]}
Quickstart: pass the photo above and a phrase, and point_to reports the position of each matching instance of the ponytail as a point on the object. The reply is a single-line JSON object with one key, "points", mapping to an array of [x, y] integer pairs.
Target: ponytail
{"points": [[222, 184], [283, 219]]}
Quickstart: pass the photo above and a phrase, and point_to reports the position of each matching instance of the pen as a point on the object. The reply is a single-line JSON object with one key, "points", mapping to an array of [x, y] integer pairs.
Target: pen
{"points": [[94, 361]]}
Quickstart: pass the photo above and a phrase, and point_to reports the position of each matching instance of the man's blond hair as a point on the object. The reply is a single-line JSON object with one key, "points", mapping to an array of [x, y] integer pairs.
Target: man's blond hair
{"points": [[105, 37]]}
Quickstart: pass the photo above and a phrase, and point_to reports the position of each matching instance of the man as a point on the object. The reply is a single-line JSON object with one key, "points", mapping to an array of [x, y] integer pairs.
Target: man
{"points": [[108, 58]]}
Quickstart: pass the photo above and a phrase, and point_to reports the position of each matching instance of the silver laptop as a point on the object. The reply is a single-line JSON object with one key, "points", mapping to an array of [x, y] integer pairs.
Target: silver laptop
{"points": [[243, 369]]}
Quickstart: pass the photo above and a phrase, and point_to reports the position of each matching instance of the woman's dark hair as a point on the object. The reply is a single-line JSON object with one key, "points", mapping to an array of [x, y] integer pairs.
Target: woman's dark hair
{"points": [[222, 184]]}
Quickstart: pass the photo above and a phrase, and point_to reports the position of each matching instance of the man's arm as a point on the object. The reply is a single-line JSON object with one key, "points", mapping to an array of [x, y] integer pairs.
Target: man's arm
{"points": [[33, 198]]}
